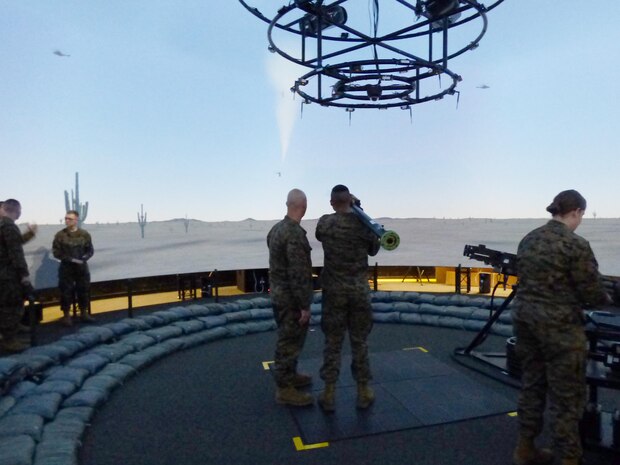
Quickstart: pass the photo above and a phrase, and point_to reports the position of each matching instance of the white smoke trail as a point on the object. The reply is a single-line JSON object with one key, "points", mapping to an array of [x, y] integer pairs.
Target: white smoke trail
{"points": [[283, 74]]}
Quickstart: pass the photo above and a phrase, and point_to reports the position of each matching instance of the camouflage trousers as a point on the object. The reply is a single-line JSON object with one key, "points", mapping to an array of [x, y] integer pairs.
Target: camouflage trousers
{"points": [[73, 280], [341, 313], [291, 338], [553, 361], [11, 308]]}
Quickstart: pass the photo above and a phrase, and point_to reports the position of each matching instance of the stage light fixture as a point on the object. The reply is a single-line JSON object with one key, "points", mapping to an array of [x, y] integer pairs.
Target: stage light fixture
{"points": [[437, 8], [338, 89], [326, 17], [374, 92]]}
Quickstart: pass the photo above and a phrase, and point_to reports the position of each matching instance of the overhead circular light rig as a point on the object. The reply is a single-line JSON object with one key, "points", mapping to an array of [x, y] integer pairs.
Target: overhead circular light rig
{"points": [[353, 67], [387, 83]]}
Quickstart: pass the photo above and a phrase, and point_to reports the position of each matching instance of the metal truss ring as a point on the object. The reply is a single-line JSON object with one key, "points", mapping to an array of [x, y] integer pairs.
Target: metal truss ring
{"points": [[289, 27], [374, 83]]}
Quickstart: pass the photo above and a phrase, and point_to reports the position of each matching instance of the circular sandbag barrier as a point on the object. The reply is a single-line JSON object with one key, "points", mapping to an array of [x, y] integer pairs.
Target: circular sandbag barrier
{"points": [[51, 392]]}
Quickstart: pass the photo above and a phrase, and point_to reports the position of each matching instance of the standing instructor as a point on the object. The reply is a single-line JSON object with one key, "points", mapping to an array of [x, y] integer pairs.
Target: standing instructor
{"points": [[290, 279], [73, 246]]}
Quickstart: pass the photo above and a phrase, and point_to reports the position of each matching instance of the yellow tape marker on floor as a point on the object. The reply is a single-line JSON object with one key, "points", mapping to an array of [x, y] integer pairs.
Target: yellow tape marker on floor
{"points": [[266, 365], [416, 348], [299, 445]]}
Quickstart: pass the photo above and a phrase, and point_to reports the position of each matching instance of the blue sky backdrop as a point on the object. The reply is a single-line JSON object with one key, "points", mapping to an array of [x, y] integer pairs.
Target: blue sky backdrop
{"points": [[179, 106]]}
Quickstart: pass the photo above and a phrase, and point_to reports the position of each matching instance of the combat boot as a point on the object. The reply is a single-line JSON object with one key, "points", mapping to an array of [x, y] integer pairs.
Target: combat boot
{"points": [[13, 345], [289, 395], [526, 453], [327, 398], [571, 461], [365, 396], [85, 317], [302, 380], [66, 319]]}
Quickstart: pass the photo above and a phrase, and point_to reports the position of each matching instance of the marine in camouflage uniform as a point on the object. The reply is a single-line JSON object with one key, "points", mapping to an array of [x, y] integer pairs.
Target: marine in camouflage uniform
{"points": [[73, 247], [14, 276], [290, 278], [558, 278], [31, 230], [347, 243]]}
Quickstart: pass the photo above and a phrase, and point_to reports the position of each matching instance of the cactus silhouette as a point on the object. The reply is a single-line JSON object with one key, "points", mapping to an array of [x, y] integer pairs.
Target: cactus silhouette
{"points": [[142, 220], [75, 204]]}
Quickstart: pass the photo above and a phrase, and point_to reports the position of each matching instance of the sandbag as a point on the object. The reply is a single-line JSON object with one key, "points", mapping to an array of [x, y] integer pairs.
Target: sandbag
{"points": [[63, 373], [190, 326], [120, 328], [86, 398], [113, 352], [17, 450], [213, 321], [138, 340], [102, 382], [28, 424], [45, 405], [91, 362], [64, 388], [165, 332], [58, 451], [118, 370]]}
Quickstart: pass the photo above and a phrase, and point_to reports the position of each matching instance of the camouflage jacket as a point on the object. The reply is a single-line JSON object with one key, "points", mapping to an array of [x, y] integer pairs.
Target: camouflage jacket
{"points": [[68, 245], [290, 265], [558, 277], [347, 243], [12, 262]]}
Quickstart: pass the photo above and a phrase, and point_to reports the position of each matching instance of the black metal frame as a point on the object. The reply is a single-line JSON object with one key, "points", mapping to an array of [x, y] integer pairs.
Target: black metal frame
{"points": [[495, 360], [372, 82]]}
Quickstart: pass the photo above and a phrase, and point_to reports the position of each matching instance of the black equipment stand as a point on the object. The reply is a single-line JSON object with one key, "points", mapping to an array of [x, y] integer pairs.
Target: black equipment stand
{"points": [[506, 264], [495, 360], [601, 429]]}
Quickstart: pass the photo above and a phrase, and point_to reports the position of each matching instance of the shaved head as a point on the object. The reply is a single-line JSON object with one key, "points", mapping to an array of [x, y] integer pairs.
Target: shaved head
{"points": [[296, 204], [295, 197]]}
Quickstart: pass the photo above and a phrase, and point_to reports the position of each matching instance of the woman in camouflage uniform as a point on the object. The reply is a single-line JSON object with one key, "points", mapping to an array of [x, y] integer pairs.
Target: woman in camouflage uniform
{"points": [[558, 278]]}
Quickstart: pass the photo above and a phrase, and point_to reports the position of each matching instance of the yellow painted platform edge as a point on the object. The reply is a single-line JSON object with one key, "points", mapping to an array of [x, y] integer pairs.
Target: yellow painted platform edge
{"points": [[420, 348], [299, 445]]}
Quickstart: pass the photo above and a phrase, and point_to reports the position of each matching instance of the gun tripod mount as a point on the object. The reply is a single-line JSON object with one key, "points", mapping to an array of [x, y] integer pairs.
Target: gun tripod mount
{"points": [[506, 264]]}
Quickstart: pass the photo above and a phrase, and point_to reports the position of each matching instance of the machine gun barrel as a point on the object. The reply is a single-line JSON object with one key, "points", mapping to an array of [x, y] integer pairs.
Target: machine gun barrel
{"points": [[389, 239], [503, 262]]}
